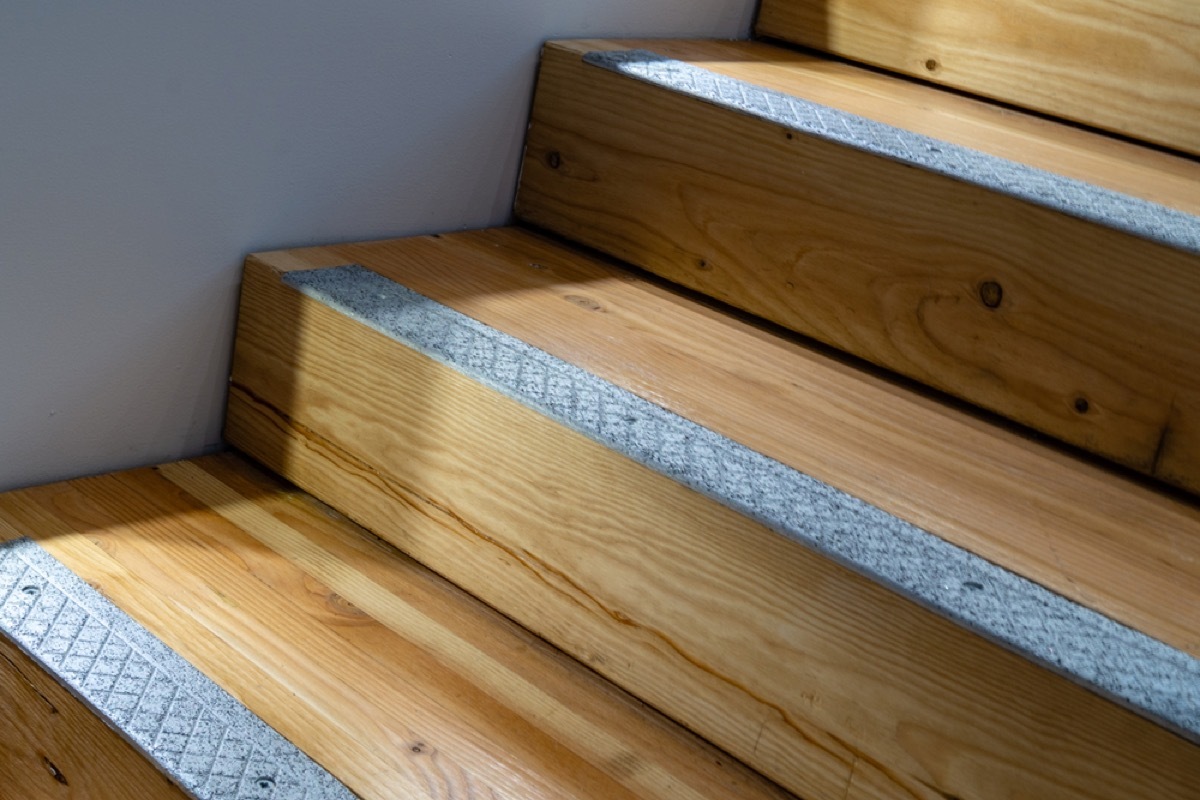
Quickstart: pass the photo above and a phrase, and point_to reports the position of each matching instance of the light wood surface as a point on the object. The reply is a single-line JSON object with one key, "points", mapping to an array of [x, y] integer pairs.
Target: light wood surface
{"points": [[52, 747], [393, 680], [1077, 330], [831, 685], [1106, 161], [1105, 541], [1131, 66]]}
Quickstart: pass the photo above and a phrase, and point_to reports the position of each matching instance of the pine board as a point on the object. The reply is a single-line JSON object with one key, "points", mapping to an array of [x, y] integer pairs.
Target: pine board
{"points": [[52, 746], [1089, 337], [827, 683], [1106, 161], [1130, 67], [393, 680], [1099, 538]]}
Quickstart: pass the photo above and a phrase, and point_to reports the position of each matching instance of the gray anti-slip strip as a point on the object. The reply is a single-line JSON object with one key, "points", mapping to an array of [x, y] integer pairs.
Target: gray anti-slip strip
{"points": [[1129, 667], [1074, 197], [209, 743]]}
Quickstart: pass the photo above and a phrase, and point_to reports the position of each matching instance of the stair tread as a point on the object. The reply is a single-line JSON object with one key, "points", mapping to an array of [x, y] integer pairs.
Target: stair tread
{"points": [[1086, 532], [1117, 165], [1052, 300], [393, 680], [53, 739], [1125, 66], [564, 532]]}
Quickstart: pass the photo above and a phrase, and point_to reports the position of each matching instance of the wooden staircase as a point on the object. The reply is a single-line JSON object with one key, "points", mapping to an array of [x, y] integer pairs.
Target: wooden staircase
{"points": [[813, 432]]}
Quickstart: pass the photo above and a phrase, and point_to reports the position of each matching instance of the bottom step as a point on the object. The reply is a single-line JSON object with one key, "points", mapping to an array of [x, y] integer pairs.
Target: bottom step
{"points": [[396, 682], [53, 746]]}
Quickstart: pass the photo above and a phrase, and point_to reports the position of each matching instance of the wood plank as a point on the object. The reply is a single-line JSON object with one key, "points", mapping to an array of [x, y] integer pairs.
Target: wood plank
{"points": [[1078, 330], [813, 675], [52, 746], [1129, 67], [1104, 541], [1115, 164], [396, 682]]}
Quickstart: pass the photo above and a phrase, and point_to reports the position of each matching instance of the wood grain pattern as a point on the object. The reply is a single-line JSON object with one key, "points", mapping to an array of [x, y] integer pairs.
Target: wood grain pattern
{"points": [[1112, 163], [1130, 66], [1106, 542], [824, 681], [395, 681], [52, 747], [1087, 334]]}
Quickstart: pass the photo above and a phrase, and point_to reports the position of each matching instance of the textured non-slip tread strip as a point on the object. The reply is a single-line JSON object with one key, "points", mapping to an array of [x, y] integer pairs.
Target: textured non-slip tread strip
{"points": [[1145, 674], [201, 736], [392, 679]]}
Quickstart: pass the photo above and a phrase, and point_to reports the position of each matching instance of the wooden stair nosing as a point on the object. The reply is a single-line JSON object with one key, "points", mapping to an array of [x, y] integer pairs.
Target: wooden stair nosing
{"points": [[280, 423], [1077, 329]]}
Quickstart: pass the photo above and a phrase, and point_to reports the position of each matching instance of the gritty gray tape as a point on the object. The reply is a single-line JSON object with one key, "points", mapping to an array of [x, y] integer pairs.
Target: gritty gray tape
{"points": [[209, 743], [1146, 675], [1077, 198]]}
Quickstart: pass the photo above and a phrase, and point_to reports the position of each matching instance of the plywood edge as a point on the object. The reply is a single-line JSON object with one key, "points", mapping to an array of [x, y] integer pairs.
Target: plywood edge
{"points": [[319, 419]]}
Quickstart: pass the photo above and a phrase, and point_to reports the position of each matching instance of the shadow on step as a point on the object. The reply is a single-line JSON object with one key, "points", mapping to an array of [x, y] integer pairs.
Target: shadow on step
{"points": [[810, 673]]}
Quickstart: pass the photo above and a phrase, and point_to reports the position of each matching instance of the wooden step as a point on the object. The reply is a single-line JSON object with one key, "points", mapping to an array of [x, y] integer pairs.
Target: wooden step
{"points": [[394, 681], [52, 744], [725, 602], [827, 199], [1130, 67]]}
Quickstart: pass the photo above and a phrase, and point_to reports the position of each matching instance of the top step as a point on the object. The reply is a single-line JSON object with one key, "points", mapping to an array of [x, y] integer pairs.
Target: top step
{"points": [[1129, 67], [1043, 272]]}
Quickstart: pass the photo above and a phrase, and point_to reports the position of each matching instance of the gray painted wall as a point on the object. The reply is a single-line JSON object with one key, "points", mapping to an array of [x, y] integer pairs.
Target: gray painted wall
{"points": [[145, 147]]}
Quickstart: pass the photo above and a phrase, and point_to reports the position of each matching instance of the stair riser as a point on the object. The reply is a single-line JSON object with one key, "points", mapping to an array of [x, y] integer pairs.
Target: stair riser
{"points": [[1081, 331], [1128, 67], [815, 676]]}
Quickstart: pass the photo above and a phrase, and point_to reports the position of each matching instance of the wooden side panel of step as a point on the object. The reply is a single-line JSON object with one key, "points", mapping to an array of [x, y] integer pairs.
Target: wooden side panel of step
{"points": [[824, 681], [1076, 329], [397, 683], [53, 747], [1129, 67]]}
